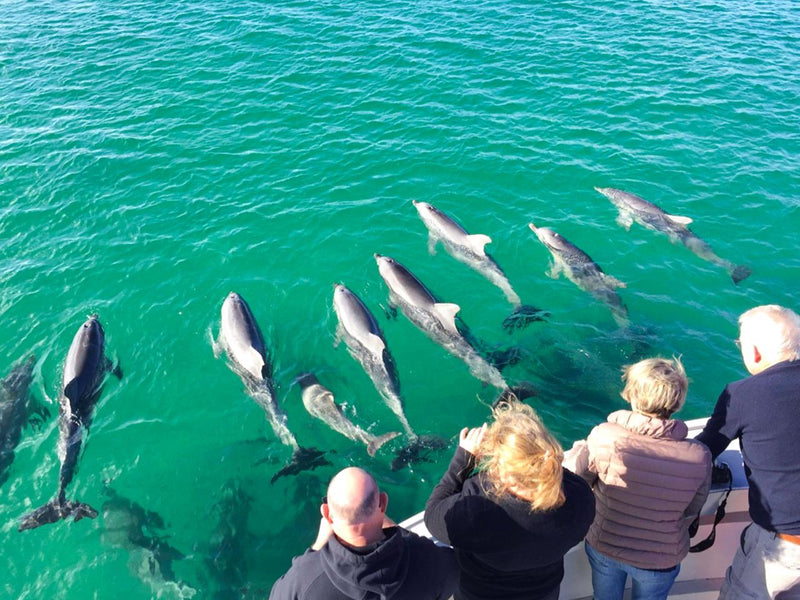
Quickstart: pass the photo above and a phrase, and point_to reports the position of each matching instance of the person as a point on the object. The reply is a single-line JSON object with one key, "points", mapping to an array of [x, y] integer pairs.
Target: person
{"points": [[650, 483], [512, 522], [360, 553], [763, 412]]}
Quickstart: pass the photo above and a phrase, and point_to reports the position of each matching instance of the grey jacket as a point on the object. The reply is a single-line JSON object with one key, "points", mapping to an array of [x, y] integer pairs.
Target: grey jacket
{"points": [[650, 483]]}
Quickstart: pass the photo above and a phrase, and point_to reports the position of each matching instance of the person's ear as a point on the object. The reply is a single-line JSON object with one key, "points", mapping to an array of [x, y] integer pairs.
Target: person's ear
{"points": [[756, 355], [325, 511], [383, 501]]}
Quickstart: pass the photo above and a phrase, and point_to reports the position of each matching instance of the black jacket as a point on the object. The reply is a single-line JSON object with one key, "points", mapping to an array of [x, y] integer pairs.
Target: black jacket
{"points": [[505, 551], [404, 566]]}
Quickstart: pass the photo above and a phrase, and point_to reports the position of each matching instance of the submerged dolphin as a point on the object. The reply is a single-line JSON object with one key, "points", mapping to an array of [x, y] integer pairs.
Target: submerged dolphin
{"points": [[84, 372], [128, 526], [471, 250], [242, 341], [365, 342], [17, 408], [226, 561], [633, 208], [436, 319], [319, 402], [582, 271]]}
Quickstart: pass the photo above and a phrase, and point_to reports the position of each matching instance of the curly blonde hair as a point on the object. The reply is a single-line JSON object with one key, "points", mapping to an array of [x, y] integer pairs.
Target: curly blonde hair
{"points": [[519, 456]]}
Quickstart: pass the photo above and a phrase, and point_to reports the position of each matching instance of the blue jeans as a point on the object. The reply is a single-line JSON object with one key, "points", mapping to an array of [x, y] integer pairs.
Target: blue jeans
{"points": [[609, 576]]}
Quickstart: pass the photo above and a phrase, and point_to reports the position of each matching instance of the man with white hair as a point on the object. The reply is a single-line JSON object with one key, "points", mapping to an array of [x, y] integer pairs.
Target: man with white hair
{"points": [[360, 553], [763, 412]]}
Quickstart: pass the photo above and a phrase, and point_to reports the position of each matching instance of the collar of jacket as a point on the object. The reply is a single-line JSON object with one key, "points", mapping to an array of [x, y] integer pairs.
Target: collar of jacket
{"points": [[673, 429]]}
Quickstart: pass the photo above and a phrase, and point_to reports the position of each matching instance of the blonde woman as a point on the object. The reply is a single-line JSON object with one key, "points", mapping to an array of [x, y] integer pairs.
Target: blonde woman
{"points": [[650, 483], [512, 522]]}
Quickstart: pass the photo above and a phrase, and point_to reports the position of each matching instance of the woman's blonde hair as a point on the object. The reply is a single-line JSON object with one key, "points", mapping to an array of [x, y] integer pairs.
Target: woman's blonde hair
{"points": [[519, 456], [655, 386]]}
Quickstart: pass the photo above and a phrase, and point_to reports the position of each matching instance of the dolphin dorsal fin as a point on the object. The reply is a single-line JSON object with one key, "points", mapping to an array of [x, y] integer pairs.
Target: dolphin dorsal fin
{"points": [[476, 243], [256, 364], [375, 344], [447, 315], [679, 220]]}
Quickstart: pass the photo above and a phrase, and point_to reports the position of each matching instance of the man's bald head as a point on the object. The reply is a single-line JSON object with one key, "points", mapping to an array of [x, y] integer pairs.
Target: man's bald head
{"points": [[353, 496]]}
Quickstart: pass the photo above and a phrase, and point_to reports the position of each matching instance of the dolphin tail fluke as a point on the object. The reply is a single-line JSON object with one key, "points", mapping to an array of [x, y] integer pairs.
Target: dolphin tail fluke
{"points": [[418, 450], [501, 359], [739, 273], [523, 316], [303, 459], [516, 393], [374, 445], [55, 511]]}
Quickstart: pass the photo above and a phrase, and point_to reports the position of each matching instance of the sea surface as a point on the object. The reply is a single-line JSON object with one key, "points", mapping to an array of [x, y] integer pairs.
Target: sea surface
{"points": [[155, 156]]}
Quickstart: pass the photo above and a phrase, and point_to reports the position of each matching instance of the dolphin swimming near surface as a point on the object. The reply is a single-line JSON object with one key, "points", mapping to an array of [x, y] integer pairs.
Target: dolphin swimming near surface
{"points": [[243, 342], [633, 208], [436, 319], [17, 408], [85, 369], [319, 402], [470, 249], [365, 342], [582, 271], [127, 525]]}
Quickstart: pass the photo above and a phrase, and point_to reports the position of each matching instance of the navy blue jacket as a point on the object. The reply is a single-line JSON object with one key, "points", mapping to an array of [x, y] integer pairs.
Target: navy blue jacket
{"points": [[503, 548], [763, 411], [404, 566]]}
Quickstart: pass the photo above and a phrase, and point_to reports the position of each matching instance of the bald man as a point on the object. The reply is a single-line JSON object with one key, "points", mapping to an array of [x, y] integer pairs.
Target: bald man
{"points": [[763, 412], [360, 553]]}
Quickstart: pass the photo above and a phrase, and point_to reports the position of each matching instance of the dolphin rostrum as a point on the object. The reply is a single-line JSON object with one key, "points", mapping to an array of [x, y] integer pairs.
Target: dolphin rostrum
{"points": [[633, 208], [243, 342], [319, 402], [365, 342], [17, 408], [582, 271], [471, 250], [84, 372], [436, 319]]}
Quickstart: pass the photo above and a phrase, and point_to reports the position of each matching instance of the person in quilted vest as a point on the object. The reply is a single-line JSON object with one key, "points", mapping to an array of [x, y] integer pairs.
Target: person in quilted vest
{"points": [[650, 483]]}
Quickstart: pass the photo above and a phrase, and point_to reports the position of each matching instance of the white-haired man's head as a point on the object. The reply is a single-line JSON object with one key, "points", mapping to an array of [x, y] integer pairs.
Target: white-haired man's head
{"points": [[768, 335]]}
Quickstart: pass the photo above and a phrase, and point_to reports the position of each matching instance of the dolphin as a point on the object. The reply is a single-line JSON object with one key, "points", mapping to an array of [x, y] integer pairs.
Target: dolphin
{"points": [[17, 408], [226, 560], [471, 250], [84, 373], [319, 402], [243, 342], [127, 525], [436, 319], [582, 271], [633, 208], [365, 342]]}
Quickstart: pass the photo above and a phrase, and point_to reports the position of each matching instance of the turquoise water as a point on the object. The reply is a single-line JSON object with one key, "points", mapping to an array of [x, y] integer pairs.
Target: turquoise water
{"points": [[156, 155]]}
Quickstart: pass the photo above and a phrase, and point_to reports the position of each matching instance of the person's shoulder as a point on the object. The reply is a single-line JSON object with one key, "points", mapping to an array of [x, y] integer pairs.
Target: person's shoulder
{"points": [[427, 556], [305, 570], [418, 543], [575, 485], [698, 449], [611, 429]]}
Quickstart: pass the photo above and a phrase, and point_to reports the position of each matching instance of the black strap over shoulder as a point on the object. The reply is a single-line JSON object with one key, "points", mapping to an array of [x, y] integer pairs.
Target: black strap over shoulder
{"points": [[720, 473]]}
